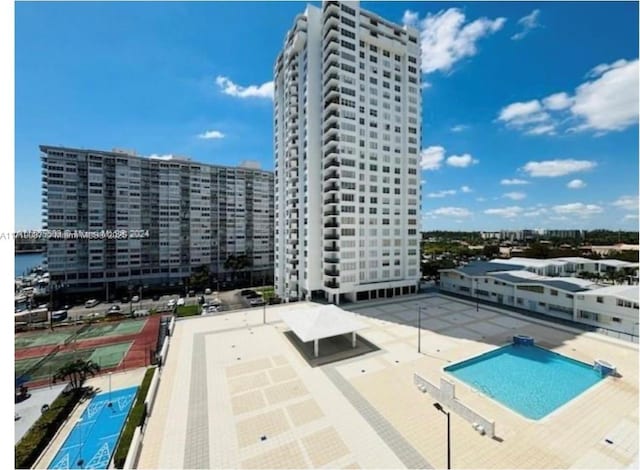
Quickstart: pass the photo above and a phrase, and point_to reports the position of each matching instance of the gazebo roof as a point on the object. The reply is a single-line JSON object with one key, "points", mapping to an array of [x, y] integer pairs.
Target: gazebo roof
{"points": [[320, 322]]}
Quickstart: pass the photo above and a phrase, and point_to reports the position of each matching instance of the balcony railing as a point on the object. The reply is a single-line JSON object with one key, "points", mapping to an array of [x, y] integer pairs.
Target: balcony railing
{"points": [[332, 272], [332, 284], [331, 187], [332, 248], [332, 200], [331, 224], [331, 175], [333, 212], [331, 260], [332, 236]]}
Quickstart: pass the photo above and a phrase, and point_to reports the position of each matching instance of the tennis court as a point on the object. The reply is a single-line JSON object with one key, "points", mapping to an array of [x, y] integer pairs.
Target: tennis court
{"points": [[127, 327], [41, 338], [94, 436], [105, 356]]}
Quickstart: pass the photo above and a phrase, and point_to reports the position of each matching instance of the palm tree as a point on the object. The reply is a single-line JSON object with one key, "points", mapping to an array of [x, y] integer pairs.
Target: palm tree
{"points": [[76, 372]]}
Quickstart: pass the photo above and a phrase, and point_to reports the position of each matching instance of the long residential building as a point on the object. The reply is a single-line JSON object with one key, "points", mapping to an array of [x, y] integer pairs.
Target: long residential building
{"points": [[347, 121], [178, 215], [547, 287]]}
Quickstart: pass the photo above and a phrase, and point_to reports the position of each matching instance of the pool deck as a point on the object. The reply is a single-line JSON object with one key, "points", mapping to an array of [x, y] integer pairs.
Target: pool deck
{"points": [[119, 380], [229, 380]]}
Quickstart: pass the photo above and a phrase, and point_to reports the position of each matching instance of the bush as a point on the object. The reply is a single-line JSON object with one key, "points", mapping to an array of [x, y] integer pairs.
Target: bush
{"points": [[137, 415], [188, 310], [42, 432]]}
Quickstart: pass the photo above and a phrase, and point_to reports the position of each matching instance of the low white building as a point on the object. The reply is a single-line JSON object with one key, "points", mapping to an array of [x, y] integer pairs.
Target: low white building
{"points": [[565, 297], [569, 265]]}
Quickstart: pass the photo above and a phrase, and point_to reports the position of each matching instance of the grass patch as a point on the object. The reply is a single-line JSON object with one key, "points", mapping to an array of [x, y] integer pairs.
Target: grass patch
{"points": [[188, 310], [40, 434], [136, 418], [267, 292]]}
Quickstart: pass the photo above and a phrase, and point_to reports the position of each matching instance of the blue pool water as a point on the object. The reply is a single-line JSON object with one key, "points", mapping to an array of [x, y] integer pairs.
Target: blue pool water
{"points": [[528, 379], [94, 436]]}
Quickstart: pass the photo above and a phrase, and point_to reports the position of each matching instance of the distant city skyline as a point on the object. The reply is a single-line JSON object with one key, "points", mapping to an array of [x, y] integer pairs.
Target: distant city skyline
{"points": [[527, 122]]}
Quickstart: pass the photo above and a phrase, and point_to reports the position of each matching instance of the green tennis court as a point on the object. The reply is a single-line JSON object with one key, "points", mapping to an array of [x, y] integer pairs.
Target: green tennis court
{"points": [[104, 356], [41, 338], [127, 327]]}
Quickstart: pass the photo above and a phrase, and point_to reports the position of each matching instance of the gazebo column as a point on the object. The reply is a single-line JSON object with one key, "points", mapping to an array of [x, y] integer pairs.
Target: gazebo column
{"points": [[315, 347], [353, 339]]}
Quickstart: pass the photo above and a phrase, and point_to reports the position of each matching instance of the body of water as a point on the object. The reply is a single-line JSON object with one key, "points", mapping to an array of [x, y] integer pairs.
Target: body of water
{"points": [[25, 261]]}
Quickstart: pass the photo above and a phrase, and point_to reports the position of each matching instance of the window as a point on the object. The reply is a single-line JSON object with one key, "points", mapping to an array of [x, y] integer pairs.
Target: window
{"points": [[616, 320], [600, 300]]}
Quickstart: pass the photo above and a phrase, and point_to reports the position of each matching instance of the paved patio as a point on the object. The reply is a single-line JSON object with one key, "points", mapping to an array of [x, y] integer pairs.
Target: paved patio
{"points": [[236, 393]]}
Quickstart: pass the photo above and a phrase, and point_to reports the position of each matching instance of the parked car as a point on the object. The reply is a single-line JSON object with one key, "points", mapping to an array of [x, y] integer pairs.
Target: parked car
{"points": [[212, 309], [191, 293], [135, 298], [172, 303], [114, 308], [215, 301], [91, 303], [59, 315], [256, 301], [124, 300], [207, 291], [252, 295], [141, 313], [180, 302], [155, 297], [246, 292]]}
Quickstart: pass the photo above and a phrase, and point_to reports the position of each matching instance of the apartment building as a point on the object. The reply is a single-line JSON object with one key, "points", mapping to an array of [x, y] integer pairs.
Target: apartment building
{"points": [[179, 215], [347, 122], [530, 287]]}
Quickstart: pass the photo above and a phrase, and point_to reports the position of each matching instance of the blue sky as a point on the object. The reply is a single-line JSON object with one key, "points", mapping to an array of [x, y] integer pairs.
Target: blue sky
{"points": [[529, 119]]}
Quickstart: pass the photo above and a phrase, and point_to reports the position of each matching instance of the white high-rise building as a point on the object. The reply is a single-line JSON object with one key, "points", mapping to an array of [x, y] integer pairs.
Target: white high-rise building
{"points": [[347, 120]]}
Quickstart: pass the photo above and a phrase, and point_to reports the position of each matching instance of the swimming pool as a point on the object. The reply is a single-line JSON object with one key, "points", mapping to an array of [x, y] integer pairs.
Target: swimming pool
{"points": [[94, 436], [530, 380]]}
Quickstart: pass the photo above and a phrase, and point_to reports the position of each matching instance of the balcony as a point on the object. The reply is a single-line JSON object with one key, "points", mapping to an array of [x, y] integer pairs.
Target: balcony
{"points": [[332, 139], [331, 224], [332, 236], [332, 200], [332, 284], [331, 260], [331, 126], [330, 6], [332, 212], [332, 248], [332, 163], [332, 272], [333, 174], [331, 187]]}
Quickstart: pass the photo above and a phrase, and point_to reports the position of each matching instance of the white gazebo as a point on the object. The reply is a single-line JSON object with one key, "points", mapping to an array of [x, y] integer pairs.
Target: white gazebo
{"points": [[324, 321]]}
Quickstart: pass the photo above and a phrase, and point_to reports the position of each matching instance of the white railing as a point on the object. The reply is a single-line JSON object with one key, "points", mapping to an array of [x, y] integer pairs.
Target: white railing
{"points": [[134, 449], [445, 395]]}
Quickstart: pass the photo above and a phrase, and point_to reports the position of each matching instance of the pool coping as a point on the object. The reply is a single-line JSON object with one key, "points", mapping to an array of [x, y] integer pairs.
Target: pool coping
{"points": [[542, 420]]}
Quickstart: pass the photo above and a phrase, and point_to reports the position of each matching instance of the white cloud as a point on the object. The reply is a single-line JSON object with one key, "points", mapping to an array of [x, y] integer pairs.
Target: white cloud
{"points": [[450, 212], [528, 23], [609, 103], [631, 217], [554, 168], [446, 39], [514, 181], [211, 135], [576, 184], [410, 18], [602, 68], [557, 101], [535, 212], [424, 85], [515, 196], [577, 209], [461, 161], [481, 199], [431, 158], [542, 129], [252, 91], [507, 212], [629, 203], [466, 189], [459, 128], [443, 193]]}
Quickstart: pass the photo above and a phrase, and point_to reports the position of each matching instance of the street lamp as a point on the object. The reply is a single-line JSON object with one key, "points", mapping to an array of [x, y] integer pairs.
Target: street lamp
{"points": [[110, 403], [80, 461], [438, 407], [477, 298], [419, 327]]}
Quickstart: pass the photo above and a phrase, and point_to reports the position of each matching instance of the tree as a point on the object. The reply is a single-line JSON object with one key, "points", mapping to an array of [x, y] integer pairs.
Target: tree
{"points": [[491, 251], [237, 263], [76, 372], [200, 277]]}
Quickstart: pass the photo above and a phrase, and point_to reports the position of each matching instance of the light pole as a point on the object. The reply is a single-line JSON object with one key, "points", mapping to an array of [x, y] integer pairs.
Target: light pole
{"points": [[264, 312], [477, 299], [80, 461], [110, 403], [419, 327], [438, 407]]}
